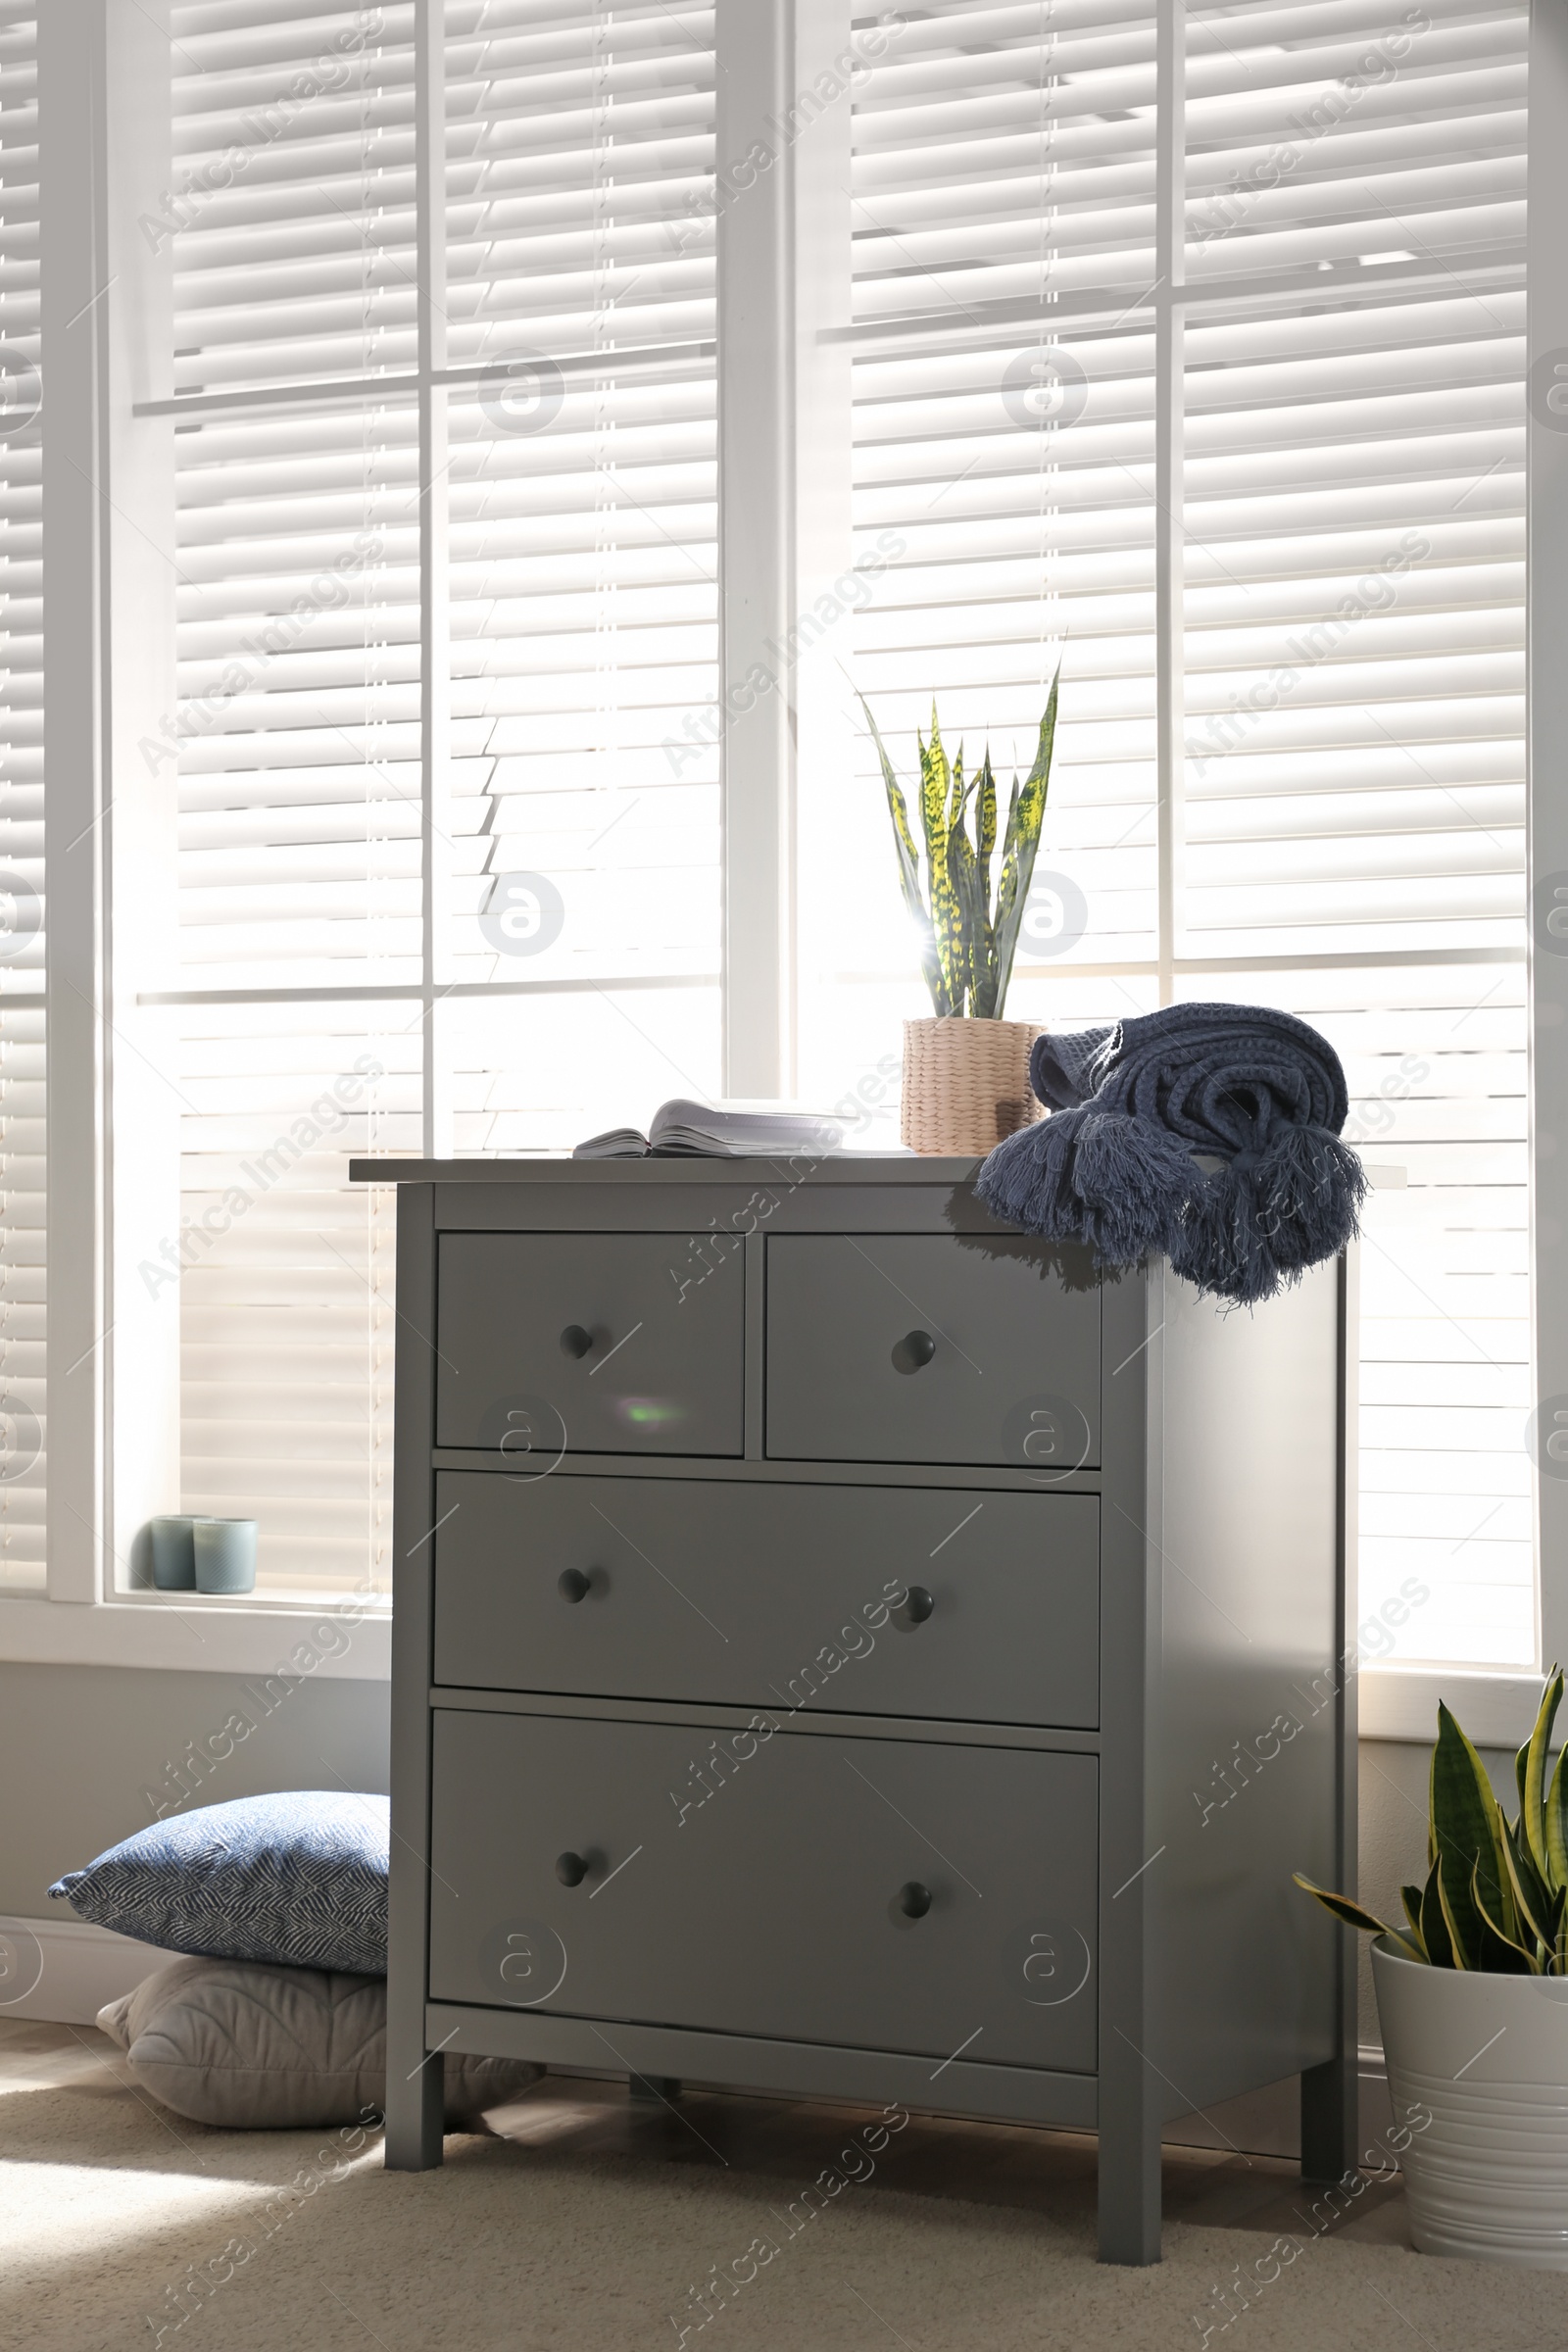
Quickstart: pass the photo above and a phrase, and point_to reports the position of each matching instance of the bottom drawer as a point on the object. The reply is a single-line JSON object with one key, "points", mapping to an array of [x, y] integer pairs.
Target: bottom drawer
{"points": [[774, 1904]]}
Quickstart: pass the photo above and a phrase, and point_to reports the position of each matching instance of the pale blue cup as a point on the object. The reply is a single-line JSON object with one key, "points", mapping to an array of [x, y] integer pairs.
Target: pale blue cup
{"points": [[225, 1555], [174, 1555]]}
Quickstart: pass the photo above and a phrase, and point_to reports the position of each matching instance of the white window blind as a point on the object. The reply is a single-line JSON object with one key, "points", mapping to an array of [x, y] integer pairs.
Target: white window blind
{"points": [[562, 810], [293, 194], [1342, 455], [23, 1459], [1355, 504], [297, 738], [1003, 166], [581, 838]]}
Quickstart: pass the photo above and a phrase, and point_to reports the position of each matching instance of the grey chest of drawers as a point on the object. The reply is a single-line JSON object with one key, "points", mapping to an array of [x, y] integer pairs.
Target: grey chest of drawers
{"points": [[843, 1647]]}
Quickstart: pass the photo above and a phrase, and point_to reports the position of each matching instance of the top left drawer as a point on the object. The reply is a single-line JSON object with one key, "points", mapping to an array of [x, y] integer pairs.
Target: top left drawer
{"points": [[580, 1342]]}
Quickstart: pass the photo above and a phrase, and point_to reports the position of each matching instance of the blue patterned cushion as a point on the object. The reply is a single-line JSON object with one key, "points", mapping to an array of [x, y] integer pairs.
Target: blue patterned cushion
{"points": [[299, 1878]]}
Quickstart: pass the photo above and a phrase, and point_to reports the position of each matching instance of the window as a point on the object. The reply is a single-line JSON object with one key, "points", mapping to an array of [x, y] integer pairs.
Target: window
{"points": [[1354, 654], [576, 946], [416, 862], [1292, 741], [295, 737], [559, 413]]}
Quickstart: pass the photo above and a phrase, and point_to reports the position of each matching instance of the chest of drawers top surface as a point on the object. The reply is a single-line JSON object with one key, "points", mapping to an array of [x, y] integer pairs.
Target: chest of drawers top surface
{"points": [[846, 1169]]}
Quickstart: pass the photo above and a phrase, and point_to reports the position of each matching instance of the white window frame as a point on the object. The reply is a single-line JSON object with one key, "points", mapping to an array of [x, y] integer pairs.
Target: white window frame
{"points": [[783, 361]]}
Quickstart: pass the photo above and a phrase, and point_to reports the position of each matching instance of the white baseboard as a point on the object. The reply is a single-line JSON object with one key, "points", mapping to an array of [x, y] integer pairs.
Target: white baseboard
{"points": [[63, 1971]]}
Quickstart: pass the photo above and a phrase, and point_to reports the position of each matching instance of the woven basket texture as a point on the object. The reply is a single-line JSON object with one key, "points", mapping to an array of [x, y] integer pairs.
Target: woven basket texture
{"points": [[966, 1084]]}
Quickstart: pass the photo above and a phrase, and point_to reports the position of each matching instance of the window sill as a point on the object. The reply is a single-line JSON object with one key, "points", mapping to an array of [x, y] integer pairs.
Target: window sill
{"points": [[1400, 1702], [207, 1638]]}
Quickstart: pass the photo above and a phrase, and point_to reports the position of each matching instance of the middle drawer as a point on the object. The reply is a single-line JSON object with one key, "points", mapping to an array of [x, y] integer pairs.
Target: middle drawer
{"points": [[745, 1593]]}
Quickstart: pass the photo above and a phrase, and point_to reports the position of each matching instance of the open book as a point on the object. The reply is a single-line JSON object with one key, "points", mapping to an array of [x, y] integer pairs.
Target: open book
{"points": [[694, 1130]]}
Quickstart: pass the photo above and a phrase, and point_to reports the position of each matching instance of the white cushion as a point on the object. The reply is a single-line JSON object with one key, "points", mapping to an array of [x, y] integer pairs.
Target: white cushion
{"points": [[241, 2043]]}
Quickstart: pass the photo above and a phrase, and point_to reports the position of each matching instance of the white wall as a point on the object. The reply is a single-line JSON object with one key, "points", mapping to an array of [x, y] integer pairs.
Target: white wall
{"points": [[87, 1753]]}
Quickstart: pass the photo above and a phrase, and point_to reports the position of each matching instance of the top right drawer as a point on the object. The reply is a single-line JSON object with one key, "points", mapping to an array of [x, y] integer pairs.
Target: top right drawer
{"points": [[925, 1347]]}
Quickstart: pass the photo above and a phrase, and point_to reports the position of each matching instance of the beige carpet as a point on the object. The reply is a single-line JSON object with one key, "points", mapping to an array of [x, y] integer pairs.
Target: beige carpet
{"points": [[108, 2209]]}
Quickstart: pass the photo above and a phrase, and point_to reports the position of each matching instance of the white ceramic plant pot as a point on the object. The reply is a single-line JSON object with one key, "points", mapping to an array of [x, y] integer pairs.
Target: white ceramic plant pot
{"points": [[1487, 2058]]}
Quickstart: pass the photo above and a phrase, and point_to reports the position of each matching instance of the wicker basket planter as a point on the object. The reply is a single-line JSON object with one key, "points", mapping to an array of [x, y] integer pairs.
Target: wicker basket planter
{"points": [[966, 1084]]}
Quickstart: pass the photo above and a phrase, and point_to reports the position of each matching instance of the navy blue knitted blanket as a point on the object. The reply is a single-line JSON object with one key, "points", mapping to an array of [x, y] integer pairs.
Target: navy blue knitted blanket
{"points": [[1130, 1106]]}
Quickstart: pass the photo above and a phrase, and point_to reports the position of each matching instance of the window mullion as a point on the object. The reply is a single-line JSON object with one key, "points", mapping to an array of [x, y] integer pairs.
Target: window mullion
{"points": [[755, 535], [72, 104], [435, 631], [1546, 817], [1169, 566], [148, 1247]]}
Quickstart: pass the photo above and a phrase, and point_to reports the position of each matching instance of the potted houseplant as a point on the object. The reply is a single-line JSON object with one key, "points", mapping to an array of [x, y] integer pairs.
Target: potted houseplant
{"points": [[1473, 2001], [966, 1069]]}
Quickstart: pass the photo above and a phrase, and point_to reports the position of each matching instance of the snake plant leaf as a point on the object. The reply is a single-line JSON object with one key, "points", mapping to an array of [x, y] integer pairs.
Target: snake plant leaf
{"points": [[985, 850], [1344, 1908], [1498, 1954], [1406, 1943], [1435, 1930], [1496, 1897], [909, 868], [1532, 1785], [1467, 1825], [1002, 969], [909, 854], [967, 961], [1461, 1955], [1410, 1896], [985, 819], [958, 790], [1026, 814], [965, 876], [936, 785], [1355, 1916], [1559, 1918], [1532, 1898], [977, 936], [984, 955], [1556, 1812]]}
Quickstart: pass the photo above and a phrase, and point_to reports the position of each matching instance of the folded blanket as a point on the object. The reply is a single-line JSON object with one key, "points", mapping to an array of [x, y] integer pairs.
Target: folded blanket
{"points": [[1114, 1165]]}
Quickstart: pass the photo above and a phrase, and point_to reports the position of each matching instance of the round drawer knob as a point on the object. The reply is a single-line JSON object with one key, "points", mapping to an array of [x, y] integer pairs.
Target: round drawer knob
{"points": [[573, 1584], [572, 1869], [916, 1347], [914, 1900], [575, 1341], [917, 1606]]}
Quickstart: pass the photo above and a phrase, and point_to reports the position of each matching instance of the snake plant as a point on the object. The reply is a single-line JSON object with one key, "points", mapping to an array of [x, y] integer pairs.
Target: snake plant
{"points": [[967, 943], [1495, 1891]]}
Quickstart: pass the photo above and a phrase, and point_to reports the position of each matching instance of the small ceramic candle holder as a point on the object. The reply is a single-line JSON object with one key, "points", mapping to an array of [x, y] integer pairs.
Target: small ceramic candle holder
{"points": [[225, 1555], [173, 1554]]}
